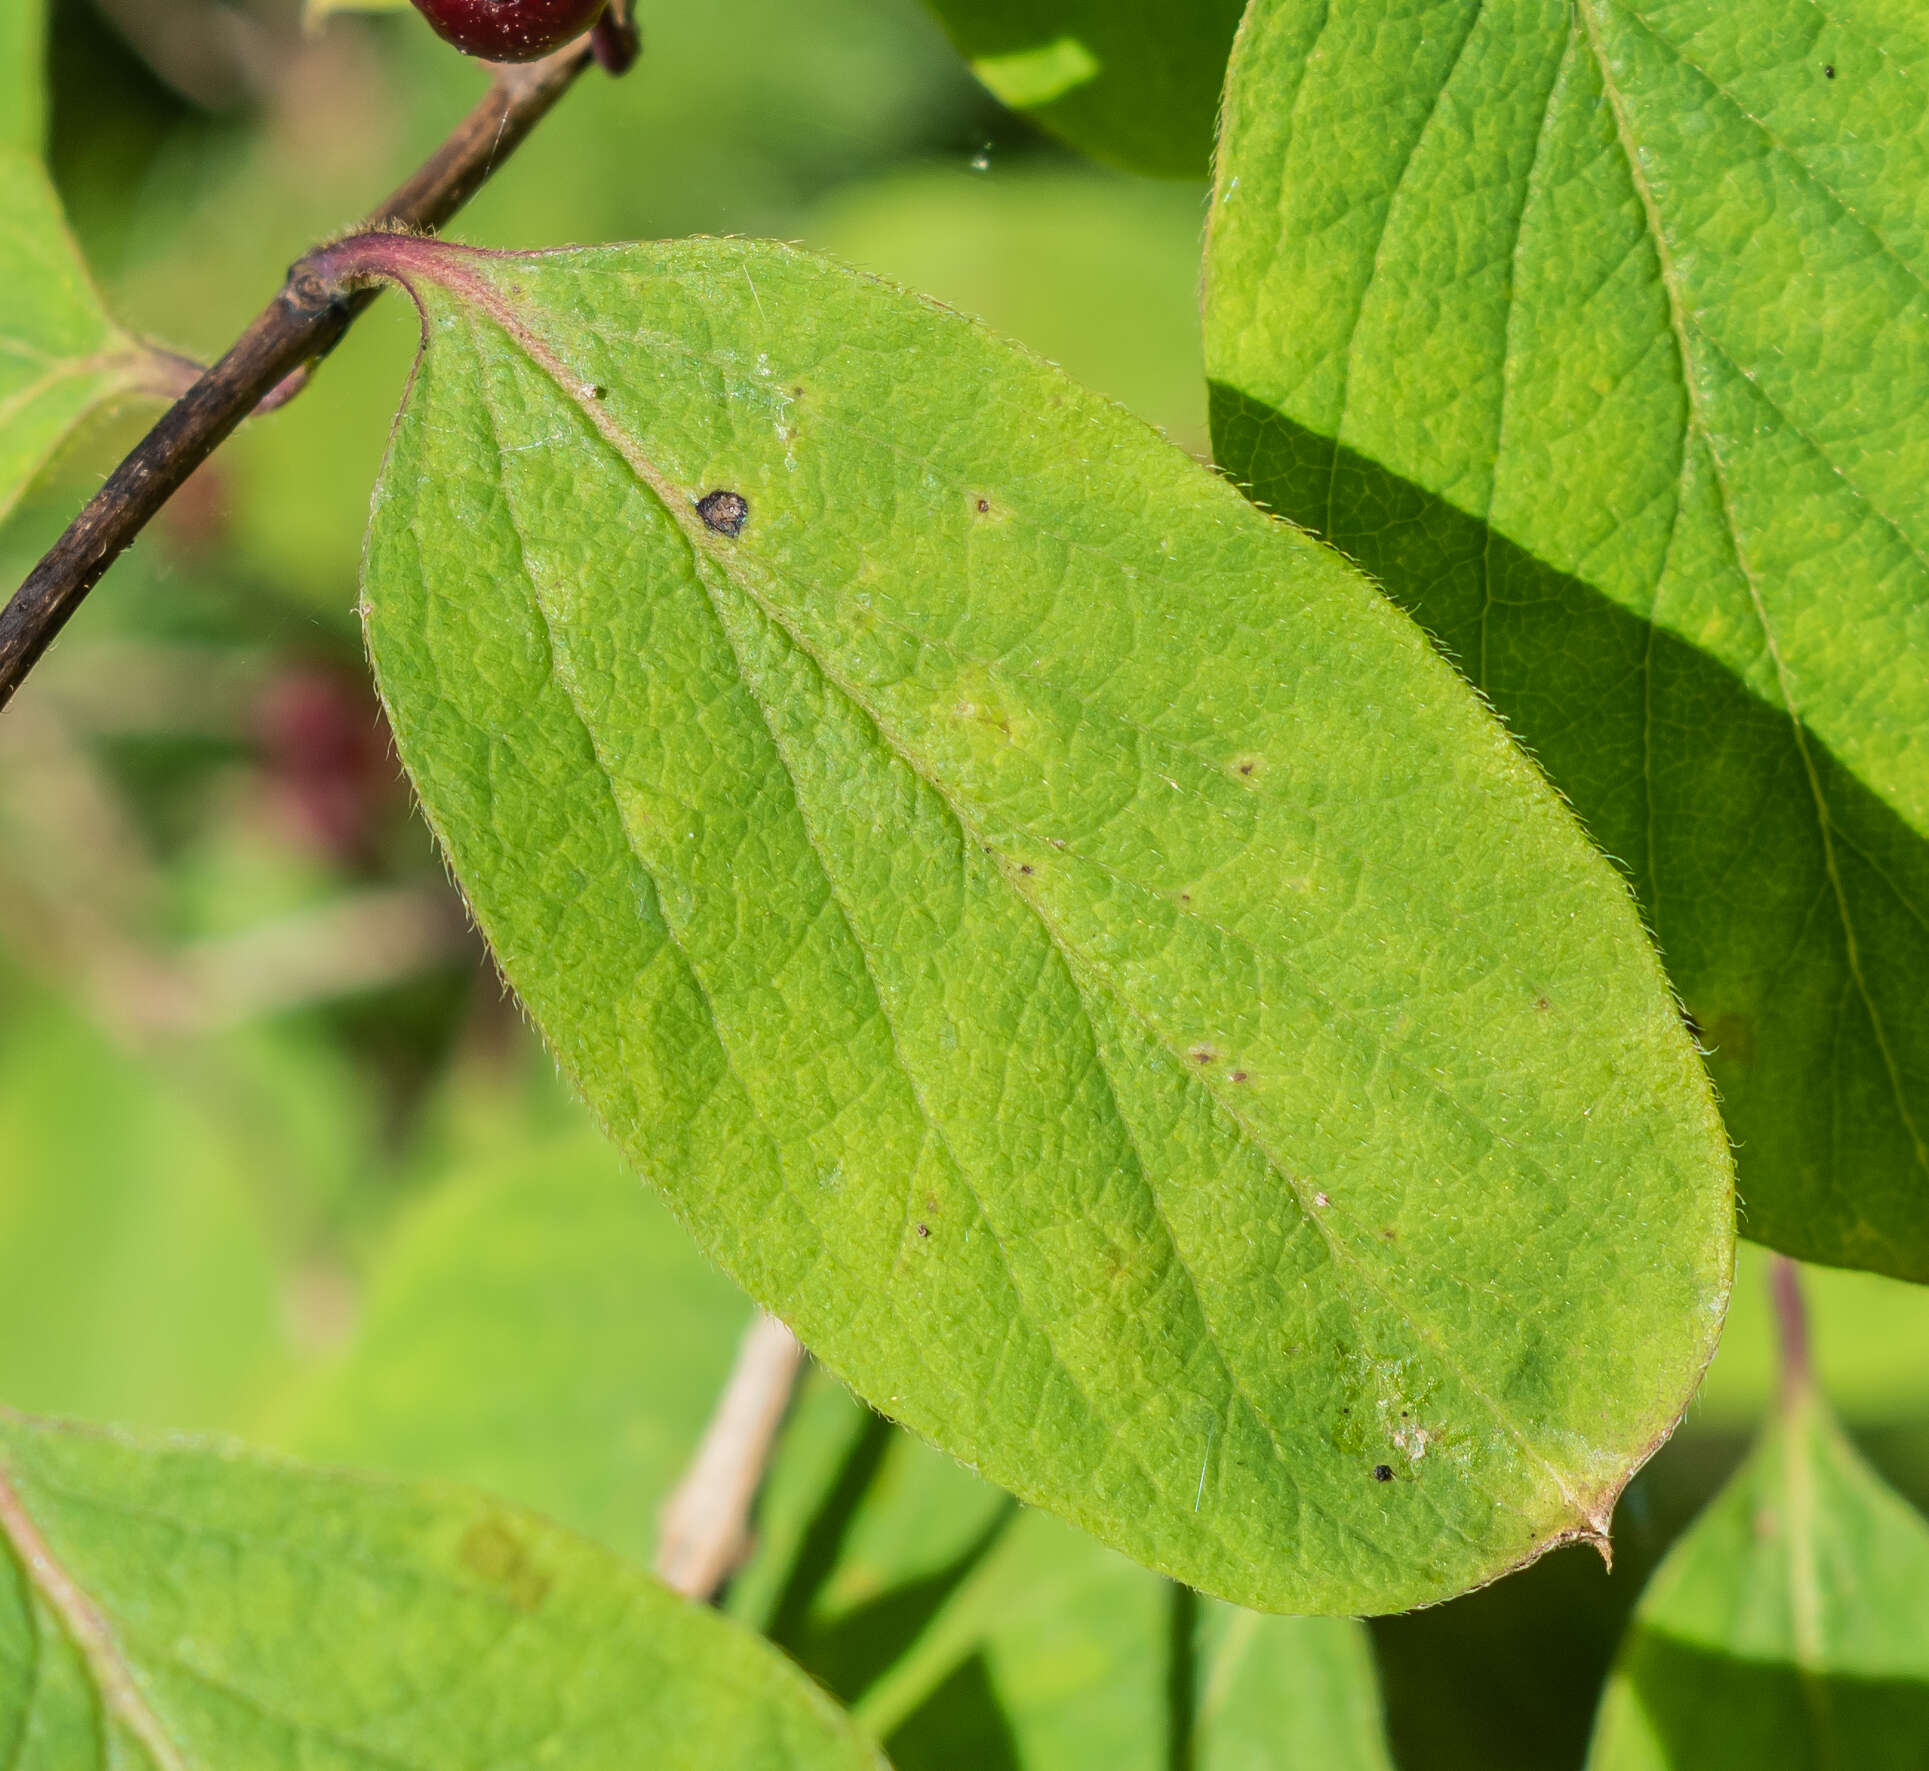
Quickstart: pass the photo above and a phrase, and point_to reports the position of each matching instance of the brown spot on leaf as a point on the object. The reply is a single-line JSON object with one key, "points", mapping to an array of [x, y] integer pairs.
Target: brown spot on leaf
{"points": [[1239, 1076], [924, 1230], [724, 511], [1383, 1472], [1203, 1054], [489, 1548]]}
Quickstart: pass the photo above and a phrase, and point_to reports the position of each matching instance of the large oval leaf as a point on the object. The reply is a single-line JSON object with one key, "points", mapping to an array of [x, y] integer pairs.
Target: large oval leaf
{"points": [[1596, 329], [1058, 937], [183, 1605]]}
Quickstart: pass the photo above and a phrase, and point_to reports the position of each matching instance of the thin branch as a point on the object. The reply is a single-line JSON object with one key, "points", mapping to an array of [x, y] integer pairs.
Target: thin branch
{"points": [[703, 1531], [1791, 1317], [299, 327]]}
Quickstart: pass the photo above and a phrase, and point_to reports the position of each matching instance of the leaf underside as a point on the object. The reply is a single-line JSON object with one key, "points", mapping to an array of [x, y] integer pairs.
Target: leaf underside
{"points": [[1058, 938], [1597, 331], [179, 1606]]}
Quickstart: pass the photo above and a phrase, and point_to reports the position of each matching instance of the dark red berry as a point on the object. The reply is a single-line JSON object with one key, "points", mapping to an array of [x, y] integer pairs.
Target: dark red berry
{"points": [[510, 30]]}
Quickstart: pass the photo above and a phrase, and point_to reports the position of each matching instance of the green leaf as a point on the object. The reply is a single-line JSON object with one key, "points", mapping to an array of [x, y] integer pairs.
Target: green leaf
{"points": [[136, 1278], [23, 83], [1131, 82], [184, 1605], [1287, 1694], [1060, 940], [1595, 329], [542, 1329], [963, 1631], [1788, 1628], [61, 358]]}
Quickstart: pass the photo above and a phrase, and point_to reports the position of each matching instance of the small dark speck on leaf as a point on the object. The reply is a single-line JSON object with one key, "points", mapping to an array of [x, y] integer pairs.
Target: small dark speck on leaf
{"points": [[1203, 1054], [1541, 1003], [1828, 70], [984, 507], [492, 1550], [1383, 1472], [725, 512], [924, 1230], [1024, 867], [1239, 1076], [599, 393]]}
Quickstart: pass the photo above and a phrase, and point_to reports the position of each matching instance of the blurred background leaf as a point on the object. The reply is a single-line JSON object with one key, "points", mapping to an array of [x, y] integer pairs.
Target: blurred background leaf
{"points": [[1134, 83], [967, 1630], [538, 1326], [23, 102], [1789, 1628]]}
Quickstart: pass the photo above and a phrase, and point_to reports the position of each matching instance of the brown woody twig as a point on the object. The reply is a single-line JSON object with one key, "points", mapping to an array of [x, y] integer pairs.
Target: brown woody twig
{"points": [[703, 1531], [298, 328]]}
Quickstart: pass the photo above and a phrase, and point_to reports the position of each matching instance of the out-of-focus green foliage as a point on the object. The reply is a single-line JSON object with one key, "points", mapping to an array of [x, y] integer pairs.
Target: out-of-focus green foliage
{"points": [[542, 1328], [1101, 274], [1789, 1629], [61, 357], [137, 1283], [1871, 1349], [966, 1630], [23, 97], [1133, 82]]}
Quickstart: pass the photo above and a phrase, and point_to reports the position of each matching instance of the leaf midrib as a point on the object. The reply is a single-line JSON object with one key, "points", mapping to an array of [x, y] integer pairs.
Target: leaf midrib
{"points": [[85, 1627]]}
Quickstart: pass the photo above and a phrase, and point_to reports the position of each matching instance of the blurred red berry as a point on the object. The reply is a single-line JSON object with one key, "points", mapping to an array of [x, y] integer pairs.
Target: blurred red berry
{"points": [[510, 30]]}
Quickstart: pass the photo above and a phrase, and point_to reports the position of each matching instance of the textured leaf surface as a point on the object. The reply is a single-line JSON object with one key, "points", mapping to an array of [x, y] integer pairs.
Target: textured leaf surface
{"points": [[1132, 82], [1789, 1630], [543, 1329], [1596, 330], [61, 358], [175, 1607], [1060, 939]]}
